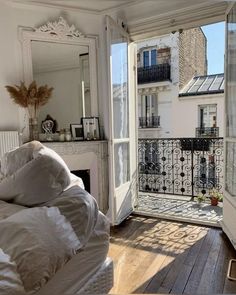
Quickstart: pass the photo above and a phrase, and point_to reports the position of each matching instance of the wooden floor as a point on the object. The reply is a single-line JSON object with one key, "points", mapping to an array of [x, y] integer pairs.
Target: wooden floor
{"points": [[158, 256]]}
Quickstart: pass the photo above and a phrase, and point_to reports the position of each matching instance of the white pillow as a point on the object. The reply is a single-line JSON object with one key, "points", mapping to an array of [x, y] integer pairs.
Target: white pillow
{"points": [[45, 151], [10, 282], [17, 158], [35, 174], [38, 181], [40, 241]]}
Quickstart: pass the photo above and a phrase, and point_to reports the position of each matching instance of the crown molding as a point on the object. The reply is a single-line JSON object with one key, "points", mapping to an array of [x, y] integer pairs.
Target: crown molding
{"points": [[126, 5], [27, 4], [188, 17], [24, 3]]}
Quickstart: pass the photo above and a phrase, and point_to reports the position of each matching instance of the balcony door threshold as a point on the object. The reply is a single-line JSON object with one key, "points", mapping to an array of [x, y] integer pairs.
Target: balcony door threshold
{"points": [[178, 208]]}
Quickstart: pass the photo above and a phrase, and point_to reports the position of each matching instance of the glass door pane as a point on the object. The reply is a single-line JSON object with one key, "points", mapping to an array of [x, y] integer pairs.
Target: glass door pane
{"points": [[231, 75], [230, 139], [119, 60], [121, 119], [122, 163]]}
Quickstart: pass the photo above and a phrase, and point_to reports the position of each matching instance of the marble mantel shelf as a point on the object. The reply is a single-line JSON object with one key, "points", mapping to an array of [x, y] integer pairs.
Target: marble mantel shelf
{"points": [[83, 155]]}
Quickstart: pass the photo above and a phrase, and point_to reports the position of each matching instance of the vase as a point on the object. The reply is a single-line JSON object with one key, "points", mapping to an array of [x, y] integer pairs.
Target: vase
{"points": [[33, 129]]}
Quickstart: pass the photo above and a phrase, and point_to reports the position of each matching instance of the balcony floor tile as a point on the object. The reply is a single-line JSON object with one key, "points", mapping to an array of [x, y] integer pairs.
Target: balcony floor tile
{"points": [[179, 208]]}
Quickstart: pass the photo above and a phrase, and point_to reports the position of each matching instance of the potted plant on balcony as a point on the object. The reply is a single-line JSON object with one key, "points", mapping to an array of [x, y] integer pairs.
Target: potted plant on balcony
{"points": [[215, 197], [200, 199]]}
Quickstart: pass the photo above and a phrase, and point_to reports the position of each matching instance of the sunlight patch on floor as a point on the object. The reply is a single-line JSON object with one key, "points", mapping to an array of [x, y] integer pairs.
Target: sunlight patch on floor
{"points": [[179, 209], [150, 252]]}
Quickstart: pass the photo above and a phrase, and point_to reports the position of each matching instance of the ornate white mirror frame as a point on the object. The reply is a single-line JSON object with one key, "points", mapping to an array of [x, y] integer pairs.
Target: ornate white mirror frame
{"points": [[58, 32]]}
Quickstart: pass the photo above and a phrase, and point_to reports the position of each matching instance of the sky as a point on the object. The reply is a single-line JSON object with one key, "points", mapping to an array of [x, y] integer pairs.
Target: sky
{"points": [[215, 35]]}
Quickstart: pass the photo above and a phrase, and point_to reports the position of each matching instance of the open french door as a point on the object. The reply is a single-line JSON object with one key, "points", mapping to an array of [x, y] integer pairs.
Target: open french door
{"points": [[229, 204], [122, 122]]}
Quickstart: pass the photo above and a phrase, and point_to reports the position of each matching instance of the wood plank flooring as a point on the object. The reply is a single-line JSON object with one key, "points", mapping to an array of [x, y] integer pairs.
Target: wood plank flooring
{"points": [[157, 256]]}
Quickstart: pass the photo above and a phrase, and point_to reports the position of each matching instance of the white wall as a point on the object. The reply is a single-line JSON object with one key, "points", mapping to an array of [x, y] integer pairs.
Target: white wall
{"points": [[186, 117], [9, 116], [14, 15]]}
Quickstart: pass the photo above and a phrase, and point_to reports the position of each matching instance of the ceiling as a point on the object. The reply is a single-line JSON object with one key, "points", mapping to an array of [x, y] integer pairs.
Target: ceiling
{"points": [[146, 18], [103, 6], [92, 6], [166, 16]]}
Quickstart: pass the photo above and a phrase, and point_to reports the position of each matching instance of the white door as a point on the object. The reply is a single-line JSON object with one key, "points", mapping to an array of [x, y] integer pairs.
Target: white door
{"points": [[229, 203], [122, 121]]}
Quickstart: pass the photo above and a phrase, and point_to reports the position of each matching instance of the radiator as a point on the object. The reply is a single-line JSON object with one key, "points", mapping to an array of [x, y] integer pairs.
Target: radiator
{"points": [[8, 141]]}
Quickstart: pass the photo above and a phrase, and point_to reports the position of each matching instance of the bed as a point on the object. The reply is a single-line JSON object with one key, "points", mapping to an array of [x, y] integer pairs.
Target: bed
{"points": [[86, 269]]}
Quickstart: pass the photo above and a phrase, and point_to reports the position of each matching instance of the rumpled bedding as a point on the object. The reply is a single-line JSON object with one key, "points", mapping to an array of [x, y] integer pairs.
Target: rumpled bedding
{"points": [[46, 217]]}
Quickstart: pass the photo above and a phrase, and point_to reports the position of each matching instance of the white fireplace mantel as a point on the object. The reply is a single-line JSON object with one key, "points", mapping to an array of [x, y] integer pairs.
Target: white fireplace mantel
{"points": [[83, 155]]}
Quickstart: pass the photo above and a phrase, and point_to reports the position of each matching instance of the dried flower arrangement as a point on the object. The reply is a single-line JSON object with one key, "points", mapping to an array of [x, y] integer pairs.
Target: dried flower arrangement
{"points": [[32, 97]]}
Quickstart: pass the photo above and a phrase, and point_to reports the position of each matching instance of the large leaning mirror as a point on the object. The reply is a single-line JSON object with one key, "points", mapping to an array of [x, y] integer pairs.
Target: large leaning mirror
{"points": [[64, 67], [58, 55]]}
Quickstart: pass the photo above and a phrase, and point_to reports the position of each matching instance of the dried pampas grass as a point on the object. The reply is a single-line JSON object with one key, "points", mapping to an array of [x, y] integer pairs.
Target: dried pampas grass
{"points": [[32, 97]]}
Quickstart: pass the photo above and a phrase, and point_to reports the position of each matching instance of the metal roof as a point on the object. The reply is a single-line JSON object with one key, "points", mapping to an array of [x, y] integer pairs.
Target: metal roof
{"points": [[200, 85]]}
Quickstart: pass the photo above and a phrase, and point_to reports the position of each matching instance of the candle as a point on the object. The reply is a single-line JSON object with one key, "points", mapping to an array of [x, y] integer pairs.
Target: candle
{"points": [[88, 131], [83, 101], [94, 128]]}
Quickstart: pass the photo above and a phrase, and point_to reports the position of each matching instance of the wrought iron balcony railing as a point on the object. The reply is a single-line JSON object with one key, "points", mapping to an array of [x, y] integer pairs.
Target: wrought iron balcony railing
{"points": [[207, 132], [180, 166], [149, 122], [153, 74]]}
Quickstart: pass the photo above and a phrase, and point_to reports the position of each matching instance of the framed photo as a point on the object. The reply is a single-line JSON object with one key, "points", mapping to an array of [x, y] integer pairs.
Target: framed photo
{"points": [[77, 131], [91, 128]]}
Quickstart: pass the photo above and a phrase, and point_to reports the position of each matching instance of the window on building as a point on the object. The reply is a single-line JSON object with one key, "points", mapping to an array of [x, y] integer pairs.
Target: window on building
{"points": [[149, 57], [153, 57], [146, 58], [207, 116], [148, 111]]}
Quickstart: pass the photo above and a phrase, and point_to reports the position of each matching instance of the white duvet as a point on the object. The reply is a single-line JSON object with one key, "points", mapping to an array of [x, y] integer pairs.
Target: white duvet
{"points": [[39, 241], [36, 242]]}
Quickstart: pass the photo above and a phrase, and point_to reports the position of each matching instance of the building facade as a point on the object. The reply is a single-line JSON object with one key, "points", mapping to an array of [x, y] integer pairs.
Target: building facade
{"points": [[202, 103], [192, 55], [158, 79], [165, 65]]}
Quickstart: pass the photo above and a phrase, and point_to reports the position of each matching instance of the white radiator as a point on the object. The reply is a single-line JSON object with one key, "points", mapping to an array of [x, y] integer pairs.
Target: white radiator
{"points": [[8, 141]]}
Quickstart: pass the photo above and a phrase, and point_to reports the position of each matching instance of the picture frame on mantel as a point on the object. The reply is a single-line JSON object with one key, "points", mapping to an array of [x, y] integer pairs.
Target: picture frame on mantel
{"points": [[77, 131], [91, 128]]}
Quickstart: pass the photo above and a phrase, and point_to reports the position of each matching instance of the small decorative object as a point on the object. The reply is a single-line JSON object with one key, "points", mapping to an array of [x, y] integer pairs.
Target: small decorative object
{"points": [[215, 197], [201, 198], [62, 135], [67, 135], [53, 124], [91, 128], [49, 126], [77, 131], [31, 98]]}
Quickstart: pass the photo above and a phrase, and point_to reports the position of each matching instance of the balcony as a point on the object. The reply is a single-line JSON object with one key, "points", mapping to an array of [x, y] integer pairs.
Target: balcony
{"points": [[166, 166], [207, 132], [172, 171], [152, 74], [149, 122]]}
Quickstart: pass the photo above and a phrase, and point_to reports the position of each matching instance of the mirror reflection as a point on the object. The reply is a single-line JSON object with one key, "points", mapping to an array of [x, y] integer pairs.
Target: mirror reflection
{"points": [[65, 67]]}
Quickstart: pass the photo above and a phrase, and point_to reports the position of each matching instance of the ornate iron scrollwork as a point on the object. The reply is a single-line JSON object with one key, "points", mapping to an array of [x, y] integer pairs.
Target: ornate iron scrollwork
{"points": [[180, 166]]}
